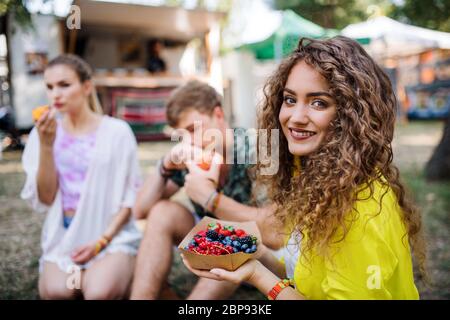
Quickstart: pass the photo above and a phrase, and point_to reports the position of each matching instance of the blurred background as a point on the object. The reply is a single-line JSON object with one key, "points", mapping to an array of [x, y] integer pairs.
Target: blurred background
{"points": [[142, 50]]}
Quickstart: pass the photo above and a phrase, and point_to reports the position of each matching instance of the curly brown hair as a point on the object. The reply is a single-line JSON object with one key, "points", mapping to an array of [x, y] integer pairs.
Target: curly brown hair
{"points": [[357, 150]]}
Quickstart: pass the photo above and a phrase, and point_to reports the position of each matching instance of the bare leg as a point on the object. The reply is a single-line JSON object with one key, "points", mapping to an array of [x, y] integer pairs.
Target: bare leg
{"points": [[167, 224], [53, 284], [208, 289], [109, 278]]}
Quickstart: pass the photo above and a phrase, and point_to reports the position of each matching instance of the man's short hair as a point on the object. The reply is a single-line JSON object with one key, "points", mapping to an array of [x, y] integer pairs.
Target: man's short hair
{"points": [[194, 95]]}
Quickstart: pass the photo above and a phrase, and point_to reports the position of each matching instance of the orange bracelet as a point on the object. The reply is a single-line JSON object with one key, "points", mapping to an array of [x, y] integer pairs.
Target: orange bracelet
{"points": [[275, 291], [215, 203], [101, 244]]}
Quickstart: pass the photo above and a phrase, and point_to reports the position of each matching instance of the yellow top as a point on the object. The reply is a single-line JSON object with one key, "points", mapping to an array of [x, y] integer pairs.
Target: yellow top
{"points": [[372, 262]]}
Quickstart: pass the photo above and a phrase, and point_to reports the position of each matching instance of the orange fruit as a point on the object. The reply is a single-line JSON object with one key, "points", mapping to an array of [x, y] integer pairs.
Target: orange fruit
{"points": [[204, 165], [38, 112]]}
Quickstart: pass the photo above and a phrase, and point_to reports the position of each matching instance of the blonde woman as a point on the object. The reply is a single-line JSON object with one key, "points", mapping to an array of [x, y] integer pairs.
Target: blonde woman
{"points": [[82, 170]]}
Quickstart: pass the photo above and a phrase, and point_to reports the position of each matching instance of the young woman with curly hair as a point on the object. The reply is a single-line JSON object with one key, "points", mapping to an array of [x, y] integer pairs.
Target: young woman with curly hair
{"points": [[337, 193]]}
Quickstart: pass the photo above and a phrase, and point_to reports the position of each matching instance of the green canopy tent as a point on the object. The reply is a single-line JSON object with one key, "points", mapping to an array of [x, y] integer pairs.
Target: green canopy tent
{"points": [[285, 38]]}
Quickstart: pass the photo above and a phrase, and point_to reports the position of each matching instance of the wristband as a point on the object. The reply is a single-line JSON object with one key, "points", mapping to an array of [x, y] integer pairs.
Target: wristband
{"points": [[215, 202], [101, 244], [275, 291], [213, 194]]}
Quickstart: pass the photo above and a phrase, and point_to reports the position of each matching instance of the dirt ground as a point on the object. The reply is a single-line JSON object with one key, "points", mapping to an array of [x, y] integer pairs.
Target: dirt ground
{"points": [[413, 145]]}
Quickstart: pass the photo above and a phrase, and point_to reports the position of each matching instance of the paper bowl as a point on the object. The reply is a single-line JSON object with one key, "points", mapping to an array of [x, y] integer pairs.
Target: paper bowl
{"points": [[228, 262]]}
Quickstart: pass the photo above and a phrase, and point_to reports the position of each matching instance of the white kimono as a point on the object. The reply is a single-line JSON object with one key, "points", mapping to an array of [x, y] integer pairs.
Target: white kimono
{"points": [[112, 180]]}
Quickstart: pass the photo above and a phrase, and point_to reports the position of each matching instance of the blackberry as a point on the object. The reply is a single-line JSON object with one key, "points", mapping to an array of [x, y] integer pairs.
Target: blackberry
{"points": [[246, 240], [212, 234]]}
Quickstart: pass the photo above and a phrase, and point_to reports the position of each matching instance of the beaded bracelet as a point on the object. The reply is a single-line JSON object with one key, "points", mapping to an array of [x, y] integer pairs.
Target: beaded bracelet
{"points": [[101, 244], [275, 291]]}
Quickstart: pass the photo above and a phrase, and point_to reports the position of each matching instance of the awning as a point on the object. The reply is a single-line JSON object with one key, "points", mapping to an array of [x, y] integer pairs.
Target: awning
{"points": [[389, 38], [285, 38], [173, 23]]}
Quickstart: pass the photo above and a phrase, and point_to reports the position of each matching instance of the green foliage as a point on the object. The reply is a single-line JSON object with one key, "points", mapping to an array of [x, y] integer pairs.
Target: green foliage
{"points": [[432, 14], [219, 5], [335, 13], [18, 9]]}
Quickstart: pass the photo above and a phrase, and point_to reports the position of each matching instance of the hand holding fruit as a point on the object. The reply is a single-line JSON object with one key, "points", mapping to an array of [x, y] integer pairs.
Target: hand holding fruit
{"points": [[180, 154], [46, 126], [200, 183], [244, 273], [220, 240]]}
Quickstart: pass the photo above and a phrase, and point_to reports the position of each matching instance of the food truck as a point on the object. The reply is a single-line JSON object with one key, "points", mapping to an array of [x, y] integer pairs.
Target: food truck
{"points": [[121, 42]]}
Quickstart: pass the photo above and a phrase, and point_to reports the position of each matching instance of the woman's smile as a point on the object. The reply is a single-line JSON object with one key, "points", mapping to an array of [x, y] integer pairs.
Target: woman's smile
{"points": [[300, 134], [307, 110]]}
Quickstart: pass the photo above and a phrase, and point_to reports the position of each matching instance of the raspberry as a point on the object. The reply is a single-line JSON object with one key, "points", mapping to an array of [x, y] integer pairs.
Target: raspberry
{"points": [[201, 233], [225, 232]]}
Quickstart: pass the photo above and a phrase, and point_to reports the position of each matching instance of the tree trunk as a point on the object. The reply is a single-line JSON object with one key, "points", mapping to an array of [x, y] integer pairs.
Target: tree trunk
{"points": [[438, 167]]}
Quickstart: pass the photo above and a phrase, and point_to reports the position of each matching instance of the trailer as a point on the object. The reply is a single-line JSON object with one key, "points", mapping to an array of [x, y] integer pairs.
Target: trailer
{"points": [[114, 39]]}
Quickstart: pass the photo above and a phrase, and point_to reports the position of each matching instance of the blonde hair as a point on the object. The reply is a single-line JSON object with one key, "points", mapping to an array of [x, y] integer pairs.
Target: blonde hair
{"points": [[84, 73]]}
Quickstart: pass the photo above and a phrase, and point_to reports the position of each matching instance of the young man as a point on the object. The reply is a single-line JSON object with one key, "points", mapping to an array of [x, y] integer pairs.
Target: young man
{"points": [[196, 108]]}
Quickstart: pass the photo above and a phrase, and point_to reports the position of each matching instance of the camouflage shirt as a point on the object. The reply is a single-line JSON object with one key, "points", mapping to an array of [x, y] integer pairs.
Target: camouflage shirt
{"points": [[238, 184]]}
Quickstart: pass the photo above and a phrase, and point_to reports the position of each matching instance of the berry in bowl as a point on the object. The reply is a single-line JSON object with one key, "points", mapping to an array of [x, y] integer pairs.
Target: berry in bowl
{"points": [[214, 243]]}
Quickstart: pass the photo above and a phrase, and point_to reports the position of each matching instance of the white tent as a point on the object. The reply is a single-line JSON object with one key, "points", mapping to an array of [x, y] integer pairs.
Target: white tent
{"points": [[389, 38]]}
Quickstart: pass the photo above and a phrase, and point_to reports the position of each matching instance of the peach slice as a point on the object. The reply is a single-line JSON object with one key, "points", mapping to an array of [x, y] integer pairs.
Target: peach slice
{"points": [[38, 112]]}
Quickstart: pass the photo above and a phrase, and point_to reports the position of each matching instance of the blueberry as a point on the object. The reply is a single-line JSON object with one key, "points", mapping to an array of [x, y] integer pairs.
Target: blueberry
{"points": [[235, 250], [254, 247], [244, 246], [227, 238], [236, 244], [208, 239], [248, 250]]}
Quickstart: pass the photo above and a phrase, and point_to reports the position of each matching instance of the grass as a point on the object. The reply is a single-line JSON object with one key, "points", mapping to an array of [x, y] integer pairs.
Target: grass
{"points": [[413, 145], [433, 200]]}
